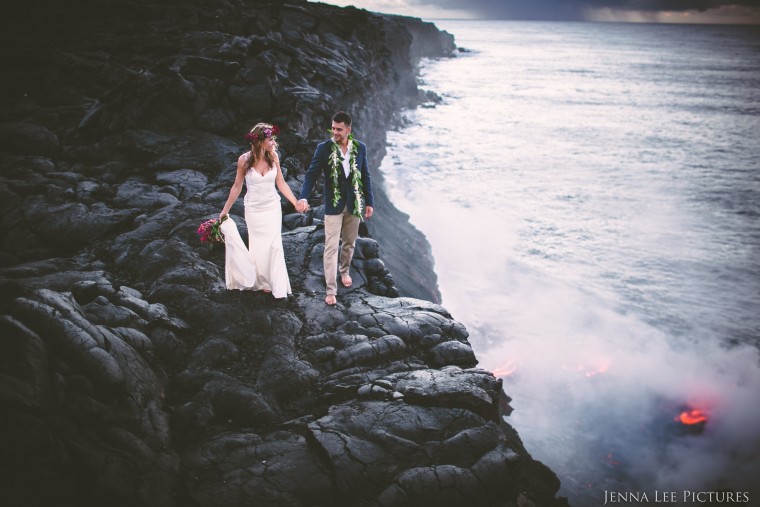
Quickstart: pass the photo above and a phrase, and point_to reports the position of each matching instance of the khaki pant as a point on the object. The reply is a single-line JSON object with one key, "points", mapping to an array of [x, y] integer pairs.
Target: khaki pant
{"points": [[346, 226]]}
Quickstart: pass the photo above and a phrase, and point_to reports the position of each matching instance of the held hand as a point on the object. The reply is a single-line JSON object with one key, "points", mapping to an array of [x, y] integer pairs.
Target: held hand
{"points": [[368, 212]]}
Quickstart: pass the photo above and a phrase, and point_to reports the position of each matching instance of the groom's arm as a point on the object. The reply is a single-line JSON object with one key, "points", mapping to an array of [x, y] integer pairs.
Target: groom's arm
{"points": [[369, 198]]}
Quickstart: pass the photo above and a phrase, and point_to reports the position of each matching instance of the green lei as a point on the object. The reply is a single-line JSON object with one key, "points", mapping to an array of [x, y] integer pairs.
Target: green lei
{"points": [[336, 164]]}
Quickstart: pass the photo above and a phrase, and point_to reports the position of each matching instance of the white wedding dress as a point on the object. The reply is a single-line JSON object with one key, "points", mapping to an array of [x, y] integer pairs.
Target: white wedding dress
{"points": [[261, 266]]}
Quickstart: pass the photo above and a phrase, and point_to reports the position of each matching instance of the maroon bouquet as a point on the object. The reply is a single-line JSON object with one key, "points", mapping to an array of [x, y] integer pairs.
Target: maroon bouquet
{"points": [[209, 231]]}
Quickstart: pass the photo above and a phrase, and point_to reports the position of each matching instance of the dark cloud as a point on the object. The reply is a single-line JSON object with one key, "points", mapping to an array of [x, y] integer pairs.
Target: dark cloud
{"points": [[577, 9]]}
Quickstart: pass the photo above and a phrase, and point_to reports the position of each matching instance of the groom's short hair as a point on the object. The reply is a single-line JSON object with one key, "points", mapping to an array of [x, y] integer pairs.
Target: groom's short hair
{"points": [[342, 117]]}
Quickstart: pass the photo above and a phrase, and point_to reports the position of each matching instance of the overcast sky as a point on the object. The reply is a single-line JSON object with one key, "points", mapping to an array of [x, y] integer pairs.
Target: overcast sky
{"points": [[674, 11]]}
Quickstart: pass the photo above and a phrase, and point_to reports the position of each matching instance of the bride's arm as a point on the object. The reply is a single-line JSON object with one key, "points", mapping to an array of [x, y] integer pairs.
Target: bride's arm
{"points": [[237, 187], [282, 185]]}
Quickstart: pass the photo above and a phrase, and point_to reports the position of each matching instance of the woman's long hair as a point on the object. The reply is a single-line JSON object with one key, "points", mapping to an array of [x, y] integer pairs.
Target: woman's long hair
{"points": [[258, 134]]}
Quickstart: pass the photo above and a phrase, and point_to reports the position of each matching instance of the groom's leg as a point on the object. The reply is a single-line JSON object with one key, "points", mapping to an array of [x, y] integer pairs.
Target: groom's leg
{"points": [[349, 233], [330, 258]]}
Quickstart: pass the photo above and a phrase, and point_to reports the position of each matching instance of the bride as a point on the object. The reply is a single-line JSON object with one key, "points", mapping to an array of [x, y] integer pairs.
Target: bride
{"points": [[260, 266]]}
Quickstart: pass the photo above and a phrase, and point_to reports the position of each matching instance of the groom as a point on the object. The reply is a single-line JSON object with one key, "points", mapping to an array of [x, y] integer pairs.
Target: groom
{"points": [[348, 196]]}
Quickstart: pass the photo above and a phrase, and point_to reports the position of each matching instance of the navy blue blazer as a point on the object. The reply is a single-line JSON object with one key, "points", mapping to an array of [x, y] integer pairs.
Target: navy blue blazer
{"points": [[320, 163]]}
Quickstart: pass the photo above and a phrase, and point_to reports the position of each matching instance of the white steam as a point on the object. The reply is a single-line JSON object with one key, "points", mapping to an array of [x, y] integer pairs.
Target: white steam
{"points": [[596, 391]]}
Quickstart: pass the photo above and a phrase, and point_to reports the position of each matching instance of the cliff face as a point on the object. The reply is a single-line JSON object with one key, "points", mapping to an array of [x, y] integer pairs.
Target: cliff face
{"points": [[128, 374], [126, 89]]}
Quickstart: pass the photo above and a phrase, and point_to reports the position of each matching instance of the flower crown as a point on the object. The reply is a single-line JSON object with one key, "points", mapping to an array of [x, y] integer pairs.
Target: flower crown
{"points": [[262, 134]]}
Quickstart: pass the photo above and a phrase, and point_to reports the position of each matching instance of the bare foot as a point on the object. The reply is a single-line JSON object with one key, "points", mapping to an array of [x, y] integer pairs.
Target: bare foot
{"points": [[330, 299], [346, 280]]}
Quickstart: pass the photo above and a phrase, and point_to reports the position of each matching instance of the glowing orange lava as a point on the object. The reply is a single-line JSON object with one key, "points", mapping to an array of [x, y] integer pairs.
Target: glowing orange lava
{"points": [[691, 417], [506, 369], [602, 369]]}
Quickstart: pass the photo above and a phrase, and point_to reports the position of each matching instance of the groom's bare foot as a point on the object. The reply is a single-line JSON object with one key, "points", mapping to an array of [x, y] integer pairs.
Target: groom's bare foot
{"points": [[330, 299], [346, 280]]}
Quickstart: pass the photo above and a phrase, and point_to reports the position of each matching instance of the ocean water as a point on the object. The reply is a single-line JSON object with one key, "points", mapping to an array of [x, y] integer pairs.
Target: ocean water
{"points": [[591, 193]]}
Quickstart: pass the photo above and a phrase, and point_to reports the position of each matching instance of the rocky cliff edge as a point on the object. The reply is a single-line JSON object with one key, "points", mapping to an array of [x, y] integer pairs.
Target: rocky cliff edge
{"points": [[129, 376]]}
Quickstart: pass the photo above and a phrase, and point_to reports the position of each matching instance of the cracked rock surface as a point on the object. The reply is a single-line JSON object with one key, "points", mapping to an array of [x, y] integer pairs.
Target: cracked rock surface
{"points": [[129, 375]]}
